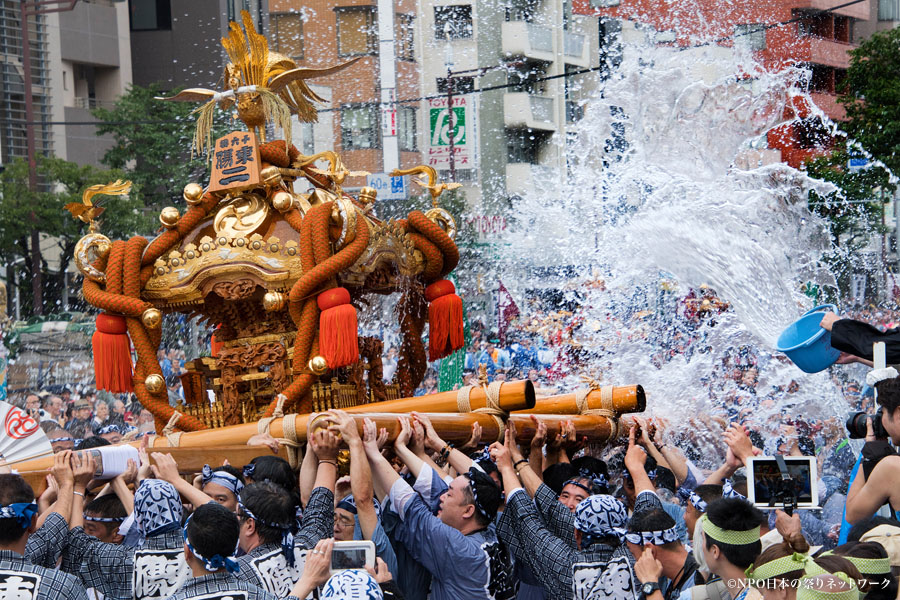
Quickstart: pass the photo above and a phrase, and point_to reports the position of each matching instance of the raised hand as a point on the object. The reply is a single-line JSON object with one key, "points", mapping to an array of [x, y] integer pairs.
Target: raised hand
{"points": [[165, 468], [474, 439], [343, 424], [265, 439], [325, 444], [405, 433], [370, 437], [509, 441], [62, 469], [432, 440], [84, 467], [144, 470], [635, 456], [540, 433], [417, 440]]}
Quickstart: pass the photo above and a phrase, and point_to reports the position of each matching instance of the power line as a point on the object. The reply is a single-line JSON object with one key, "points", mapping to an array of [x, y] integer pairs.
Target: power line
{"points": [[720, 40]]}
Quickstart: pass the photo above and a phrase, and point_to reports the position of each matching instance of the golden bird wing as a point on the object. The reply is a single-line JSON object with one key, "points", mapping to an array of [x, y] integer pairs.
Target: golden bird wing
{"points": [[76, 208], [116, 188], [190, 95], [452, 186], [290, 84]]}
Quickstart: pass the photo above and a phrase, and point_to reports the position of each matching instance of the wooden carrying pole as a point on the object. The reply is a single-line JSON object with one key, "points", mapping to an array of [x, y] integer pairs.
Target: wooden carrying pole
{"points": [[512, 396], [210, 447], [619, 399]]}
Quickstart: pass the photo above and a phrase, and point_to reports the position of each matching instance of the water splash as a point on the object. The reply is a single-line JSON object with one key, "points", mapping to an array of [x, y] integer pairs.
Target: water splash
{"points": [[657, 208]]}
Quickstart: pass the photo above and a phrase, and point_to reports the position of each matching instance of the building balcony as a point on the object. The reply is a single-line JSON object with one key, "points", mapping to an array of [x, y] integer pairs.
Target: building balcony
{"points": [[523, 179], [829, 105], [857, 11], [528, 111], [527, 40], [577, 49], [821, 51]]}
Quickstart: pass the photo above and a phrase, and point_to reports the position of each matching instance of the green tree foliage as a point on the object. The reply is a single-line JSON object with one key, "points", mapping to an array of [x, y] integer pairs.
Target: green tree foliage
{"points": [[153, 143], [871, 96], [64, 183]]}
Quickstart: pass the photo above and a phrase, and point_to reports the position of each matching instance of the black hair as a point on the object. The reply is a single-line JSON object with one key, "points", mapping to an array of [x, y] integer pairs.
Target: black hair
{"points": [[278, 471], [882, 586], [654, 519], [735, 514], [888, 394], [488, 466], [665, 479], [13, 490], [556, 475], [95, 441], [591, 464], [708, 492], [270, 503], [213, 529], [107, 507], [863, 527], [488, 496]]}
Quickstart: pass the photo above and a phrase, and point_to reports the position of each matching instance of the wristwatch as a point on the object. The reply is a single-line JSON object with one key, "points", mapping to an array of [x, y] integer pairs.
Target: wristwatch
{"points": [[649, 587]]}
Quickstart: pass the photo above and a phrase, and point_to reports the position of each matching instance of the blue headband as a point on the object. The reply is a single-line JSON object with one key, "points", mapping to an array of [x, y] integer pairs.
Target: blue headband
{"points": [[215, 562], [598, 481], [22, 512], [249, 470], [728, 491], [349, 504], [471, 477], [223, 478], [697, 502], [287, 546]]}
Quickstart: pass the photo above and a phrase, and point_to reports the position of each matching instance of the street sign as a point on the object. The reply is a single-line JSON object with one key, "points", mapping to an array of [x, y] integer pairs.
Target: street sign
{"points": [[857, 162], [440, 121], [388, 188]]}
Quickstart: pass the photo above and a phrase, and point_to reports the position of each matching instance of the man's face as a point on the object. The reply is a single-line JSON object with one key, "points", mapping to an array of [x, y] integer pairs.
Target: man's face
{"points": [[222, 495], [343, 525], [891, 422], [454, 508], [102, 411], [32, 403], [636, 550], [54, 406], [571, 496], [690, 518], [105, 532], [113, 437], [119, 407], [83, 414]]}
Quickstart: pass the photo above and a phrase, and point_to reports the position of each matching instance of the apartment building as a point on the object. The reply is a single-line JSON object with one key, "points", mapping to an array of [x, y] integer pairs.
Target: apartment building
{"points": [[80, 59], [515, 135], [368, 134], [818, 39]]}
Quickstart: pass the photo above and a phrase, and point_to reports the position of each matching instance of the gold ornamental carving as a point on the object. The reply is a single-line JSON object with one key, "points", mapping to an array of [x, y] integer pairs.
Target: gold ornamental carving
{"points": [[235, 290], [241, 216]]}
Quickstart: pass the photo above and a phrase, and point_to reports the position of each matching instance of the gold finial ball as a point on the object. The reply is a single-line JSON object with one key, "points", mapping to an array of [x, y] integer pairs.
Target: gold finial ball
{"points": [[273, 301], [367, 195], [155, 383], [151, 318], [271, 176], [169, 216], [193, 193], [283, 201], [318, 365]]}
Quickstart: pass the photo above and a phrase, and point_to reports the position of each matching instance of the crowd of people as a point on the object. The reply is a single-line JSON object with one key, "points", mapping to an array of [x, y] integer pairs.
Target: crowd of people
{"points": [[545, 517]]}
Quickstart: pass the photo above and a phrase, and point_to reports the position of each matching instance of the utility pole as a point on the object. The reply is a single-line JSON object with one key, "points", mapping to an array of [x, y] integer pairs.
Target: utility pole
{"points": [[26, 10], [387, 70]]}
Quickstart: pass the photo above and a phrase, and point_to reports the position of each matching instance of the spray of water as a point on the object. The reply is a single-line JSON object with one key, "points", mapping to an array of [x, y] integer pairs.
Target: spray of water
{"points": [[655, 208]]}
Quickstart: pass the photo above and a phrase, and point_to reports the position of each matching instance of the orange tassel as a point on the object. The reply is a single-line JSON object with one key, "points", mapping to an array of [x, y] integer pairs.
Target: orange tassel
{"points": [[112, 354], [445, 319], [338, 343]]}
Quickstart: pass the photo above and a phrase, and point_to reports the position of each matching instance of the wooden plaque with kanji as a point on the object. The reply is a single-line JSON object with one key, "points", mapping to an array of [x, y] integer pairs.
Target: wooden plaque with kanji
{"points": [[235, 162]]}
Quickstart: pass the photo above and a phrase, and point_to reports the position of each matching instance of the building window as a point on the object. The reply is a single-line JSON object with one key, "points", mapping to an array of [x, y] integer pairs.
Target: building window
{"points": [[751, 36], [453, 22], [526, 81], [406, 128], [461, 85], [288, 30], [522, 146], [359, 127], [406, 47], [357, 32], [150, 15], [889, 10]]}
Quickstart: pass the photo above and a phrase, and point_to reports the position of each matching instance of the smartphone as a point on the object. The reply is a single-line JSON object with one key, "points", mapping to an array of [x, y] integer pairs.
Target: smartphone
{"points": [[352, 555], [767, 490]]}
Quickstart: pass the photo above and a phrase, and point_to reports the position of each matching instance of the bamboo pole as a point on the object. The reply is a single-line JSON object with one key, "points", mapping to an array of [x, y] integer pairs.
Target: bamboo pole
{"points": [[208, 447], [513, 396], [625, 399]]}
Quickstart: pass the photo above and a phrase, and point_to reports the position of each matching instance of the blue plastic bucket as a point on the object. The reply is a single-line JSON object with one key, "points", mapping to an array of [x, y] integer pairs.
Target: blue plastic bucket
{"points": [[807, 344]]}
